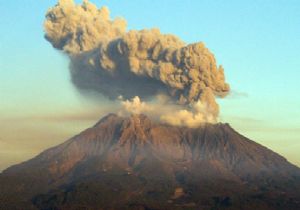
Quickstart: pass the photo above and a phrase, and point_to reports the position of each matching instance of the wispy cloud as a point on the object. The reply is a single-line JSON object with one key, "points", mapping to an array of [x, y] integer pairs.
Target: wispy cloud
{"points": [[235, 94], [71, 116]]}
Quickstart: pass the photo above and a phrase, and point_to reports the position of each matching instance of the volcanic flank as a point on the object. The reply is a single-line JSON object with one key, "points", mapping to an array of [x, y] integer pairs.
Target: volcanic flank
{"points": [[134, 163]]}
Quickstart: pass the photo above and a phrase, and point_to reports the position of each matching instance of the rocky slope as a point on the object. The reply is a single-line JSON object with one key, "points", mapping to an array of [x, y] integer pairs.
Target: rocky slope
{"points": [[134, 163]]}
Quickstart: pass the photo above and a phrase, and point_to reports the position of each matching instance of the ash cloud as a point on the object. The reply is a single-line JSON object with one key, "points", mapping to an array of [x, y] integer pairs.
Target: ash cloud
{"points": [[107, 58]]}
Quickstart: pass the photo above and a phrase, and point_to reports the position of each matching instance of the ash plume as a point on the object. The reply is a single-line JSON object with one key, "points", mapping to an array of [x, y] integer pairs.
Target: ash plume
{"points": [[107, 58]]}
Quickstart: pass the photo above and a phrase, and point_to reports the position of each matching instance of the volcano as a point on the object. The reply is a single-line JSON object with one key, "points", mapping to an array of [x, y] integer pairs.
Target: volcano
{"points": [[135, 163]]}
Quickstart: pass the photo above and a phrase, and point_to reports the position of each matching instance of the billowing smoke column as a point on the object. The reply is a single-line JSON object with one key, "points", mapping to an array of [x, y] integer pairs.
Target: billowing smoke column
{"points": [[107, 58]]}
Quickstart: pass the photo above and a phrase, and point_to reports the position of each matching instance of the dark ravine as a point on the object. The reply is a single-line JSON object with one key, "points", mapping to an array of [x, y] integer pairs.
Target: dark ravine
{"points": [[134, 163]]}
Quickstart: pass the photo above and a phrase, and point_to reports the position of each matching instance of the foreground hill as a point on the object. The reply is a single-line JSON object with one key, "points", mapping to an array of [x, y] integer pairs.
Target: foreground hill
{"points": [[134, 163]]}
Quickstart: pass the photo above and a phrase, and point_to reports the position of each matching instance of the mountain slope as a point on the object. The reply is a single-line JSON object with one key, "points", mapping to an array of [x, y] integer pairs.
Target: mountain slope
{"points": [[134, 163]]}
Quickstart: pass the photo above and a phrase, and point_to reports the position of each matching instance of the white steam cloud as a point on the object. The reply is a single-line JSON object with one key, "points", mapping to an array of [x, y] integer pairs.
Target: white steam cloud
{"points": [[135, 106], [173, 114], [138, 65]]}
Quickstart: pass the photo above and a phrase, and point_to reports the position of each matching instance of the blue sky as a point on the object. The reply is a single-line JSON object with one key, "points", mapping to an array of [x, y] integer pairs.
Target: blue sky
{"points": [[257, 42]]}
